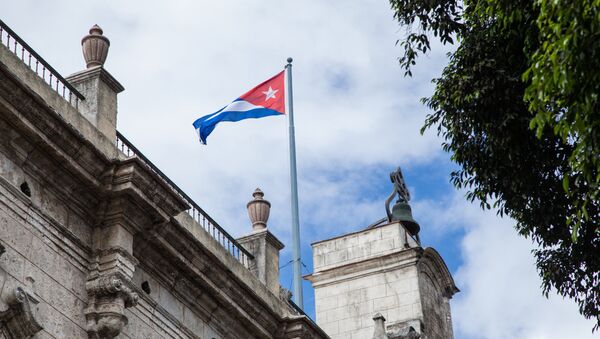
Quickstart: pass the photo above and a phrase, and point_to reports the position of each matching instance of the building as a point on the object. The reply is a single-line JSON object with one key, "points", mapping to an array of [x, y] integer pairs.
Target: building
{"points": [[380, 273], [96, 242]]}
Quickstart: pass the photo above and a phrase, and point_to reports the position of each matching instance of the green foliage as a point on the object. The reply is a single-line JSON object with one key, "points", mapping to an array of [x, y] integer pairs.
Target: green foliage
{"points": [[517, 106], [564, 73]]}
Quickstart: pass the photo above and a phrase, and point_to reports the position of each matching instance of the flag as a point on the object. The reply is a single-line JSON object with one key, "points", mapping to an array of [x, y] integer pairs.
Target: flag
{"points": [[266, 99]]}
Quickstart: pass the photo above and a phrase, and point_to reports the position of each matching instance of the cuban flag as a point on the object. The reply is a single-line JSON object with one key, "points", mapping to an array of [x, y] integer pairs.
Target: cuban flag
{"points": [[266, 99]]}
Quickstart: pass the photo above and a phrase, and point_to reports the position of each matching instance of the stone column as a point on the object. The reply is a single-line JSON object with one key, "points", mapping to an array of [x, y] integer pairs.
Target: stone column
{"points": [[99, 87], [263, 245], [112, 264], [109, 286]]}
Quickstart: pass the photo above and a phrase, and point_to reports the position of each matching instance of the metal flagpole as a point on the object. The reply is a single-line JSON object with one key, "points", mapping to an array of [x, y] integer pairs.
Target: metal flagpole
{"points": [[294, 182]]}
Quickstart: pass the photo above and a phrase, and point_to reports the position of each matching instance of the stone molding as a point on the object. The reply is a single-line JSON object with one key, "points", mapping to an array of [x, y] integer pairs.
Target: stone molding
{"points": [[375, 265], [376, 225], [96, 72], [203, 284], [134, 178], [263, 233], [147, 310], [19, 321], [224, 293], [46, 110], [432, 263]]}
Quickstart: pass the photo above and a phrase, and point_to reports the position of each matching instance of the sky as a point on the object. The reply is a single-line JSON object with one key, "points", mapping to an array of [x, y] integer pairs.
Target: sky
{"points": [[357, 119]]}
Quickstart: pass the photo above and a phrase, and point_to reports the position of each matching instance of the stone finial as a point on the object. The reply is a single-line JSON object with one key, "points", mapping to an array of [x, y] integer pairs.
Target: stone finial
{"points": [[258, 210], [379, 331], [95, 47]]}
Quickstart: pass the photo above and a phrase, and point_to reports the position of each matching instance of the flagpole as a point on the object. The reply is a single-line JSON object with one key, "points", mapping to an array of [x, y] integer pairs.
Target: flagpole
{"points": [[294, 183]]}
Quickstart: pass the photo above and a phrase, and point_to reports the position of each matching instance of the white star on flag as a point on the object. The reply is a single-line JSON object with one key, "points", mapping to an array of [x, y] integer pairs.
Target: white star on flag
{"points": [[270, 93]]}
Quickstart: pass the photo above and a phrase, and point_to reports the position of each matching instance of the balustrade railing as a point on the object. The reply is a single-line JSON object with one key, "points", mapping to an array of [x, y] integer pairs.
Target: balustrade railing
{"points": [[198, 214], [36, 63]]}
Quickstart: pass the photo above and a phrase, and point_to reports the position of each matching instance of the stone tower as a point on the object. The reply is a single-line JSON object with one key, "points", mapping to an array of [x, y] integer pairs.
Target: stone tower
{"points": [[380, 283]]}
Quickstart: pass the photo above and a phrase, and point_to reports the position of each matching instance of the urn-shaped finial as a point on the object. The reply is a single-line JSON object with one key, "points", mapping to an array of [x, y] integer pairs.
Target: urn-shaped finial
{"points": [[258, 210], [95, 47]]}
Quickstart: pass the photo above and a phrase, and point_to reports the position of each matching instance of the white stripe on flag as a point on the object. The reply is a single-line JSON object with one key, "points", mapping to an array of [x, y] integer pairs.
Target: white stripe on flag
{"points": [[236, 106]]}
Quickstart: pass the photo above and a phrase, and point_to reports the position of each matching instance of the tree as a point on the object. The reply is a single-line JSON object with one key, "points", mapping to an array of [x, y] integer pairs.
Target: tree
{"points": [[518, 109]]}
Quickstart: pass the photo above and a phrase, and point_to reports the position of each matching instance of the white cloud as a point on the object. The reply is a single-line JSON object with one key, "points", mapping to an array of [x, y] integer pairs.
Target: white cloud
{"points": [[500, 289]]}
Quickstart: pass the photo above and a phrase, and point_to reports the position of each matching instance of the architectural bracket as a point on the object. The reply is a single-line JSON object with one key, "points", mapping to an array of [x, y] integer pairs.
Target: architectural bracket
{"points": [[108, 298], [19, 320]]}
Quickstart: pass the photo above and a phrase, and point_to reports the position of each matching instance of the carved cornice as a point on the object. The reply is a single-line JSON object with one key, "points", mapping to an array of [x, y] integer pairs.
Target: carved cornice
{"points": [[96, 72], [82, 166], [432, 262], [20, 318], [203, 286], [47, 146], [262, 234], [139, 185], [374, 265], [188, 269]]}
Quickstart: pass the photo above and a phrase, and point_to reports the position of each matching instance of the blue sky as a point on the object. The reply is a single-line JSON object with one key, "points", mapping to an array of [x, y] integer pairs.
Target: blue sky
{"points": [[357, 119]]}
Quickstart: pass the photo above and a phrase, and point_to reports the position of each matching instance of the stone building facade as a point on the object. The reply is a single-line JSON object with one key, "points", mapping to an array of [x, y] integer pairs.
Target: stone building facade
{"points": [[380, 283], [95, 242]]}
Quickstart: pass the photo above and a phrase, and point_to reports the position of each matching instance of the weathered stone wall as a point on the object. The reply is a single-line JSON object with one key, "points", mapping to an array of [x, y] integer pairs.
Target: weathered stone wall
{"points": [[162, 314], [380, 270], [358, 246], [435, 291], [366, 278], [346, 310], [47, 249], [43, 254], [435, 309]]}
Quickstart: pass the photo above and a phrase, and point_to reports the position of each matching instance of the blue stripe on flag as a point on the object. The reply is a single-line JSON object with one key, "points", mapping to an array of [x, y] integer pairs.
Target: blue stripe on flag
{"points": [[205, 125]]}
